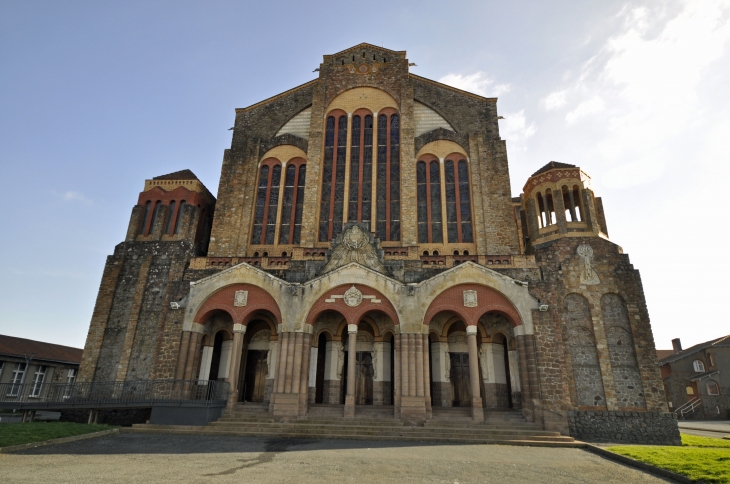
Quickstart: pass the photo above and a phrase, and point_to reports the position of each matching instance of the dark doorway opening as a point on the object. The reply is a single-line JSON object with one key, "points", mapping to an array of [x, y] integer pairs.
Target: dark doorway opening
{"points": [[321, 355], [459, 376], [215, 362], [506, 373], [256, 369], [364, 373]]}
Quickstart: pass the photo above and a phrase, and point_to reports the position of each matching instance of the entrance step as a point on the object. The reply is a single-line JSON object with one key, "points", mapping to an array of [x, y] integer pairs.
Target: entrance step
{"points": [[327, 422]]}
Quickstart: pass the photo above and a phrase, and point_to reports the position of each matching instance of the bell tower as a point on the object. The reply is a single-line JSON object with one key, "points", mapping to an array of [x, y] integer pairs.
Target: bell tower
{"points": [[557, 202]]}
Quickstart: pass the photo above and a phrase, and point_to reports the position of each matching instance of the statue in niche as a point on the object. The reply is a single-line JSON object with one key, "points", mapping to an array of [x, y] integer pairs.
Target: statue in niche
{"points": [[340, 360], [354, 244], [588, 275]]}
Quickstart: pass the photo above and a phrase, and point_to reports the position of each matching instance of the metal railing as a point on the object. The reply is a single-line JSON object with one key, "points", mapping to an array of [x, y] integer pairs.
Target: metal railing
{"points": [[688, 407], [120, 394]]}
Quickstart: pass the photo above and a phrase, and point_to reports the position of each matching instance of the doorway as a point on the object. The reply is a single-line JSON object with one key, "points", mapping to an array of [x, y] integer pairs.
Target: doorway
{"points": [[459, 376], [321, 356], [364, 373], [254, 384]]}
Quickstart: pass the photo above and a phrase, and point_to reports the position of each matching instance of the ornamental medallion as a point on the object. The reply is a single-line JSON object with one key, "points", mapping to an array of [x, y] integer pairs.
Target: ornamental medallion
{"points": [[470, 299], [240, 299], [353, 297]]}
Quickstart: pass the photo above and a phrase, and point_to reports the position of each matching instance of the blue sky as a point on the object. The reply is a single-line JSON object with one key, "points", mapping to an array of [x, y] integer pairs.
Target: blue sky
{"points": [[96, 97]]}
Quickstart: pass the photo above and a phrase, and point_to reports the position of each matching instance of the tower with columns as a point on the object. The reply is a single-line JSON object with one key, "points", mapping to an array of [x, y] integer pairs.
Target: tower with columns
{"points": [[364, 252]]}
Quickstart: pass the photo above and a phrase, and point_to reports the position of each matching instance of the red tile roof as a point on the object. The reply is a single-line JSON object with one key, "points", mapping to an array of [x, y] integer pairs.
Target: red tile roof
{"points": [[21, 347], [178, 175]]}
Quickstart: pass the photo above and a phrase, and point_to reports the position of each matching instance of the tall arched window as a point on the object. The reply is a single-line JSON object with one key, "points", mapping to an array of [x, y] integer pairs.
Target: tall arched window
{"points": [[387, 220], [180, 211], [430, 229], [361, 166], [143, 227], [267, 199], [458, 202], [333, 177], [170, 217], [155, 214], [293, 203]]}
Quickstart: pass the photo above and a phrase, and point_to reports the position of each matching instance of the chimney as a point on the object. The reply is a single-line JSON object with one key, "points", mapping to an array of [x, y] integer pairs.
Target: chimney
{"points": [[677, 345]]}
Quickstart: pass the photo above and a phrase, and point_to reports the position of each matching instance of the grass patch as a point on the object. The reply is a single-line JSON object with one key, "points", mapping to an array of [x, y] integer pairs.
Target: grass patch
{"points": [[700, 458], [25, 433]]}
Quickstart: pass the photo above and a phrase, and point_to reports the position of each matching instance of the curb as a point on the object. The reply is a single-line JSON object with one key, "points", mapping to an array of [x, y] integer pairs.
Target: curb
{"points": [[656, 471], [13, 448]]}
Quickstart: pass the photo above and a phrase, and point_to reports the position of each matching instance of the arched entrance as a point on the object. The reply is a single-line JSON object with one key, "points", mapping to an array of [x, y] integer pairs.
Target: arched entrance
{"points": [[499, 363], [214, 354], [258, 357]]}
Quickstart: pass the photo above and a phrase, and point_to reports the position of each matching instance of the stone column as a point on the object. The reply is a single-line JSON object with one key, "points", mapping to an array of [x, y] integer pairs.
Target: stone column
{"points": [[190, 361], [277, 368], [476, 400], [305, 372], [412, 384], [418, 356], [427, 375], [404, 365], [285, 402], [239, 330], [351, 364], [396, 374], [297, 363], [182, 355], [412, 405]]}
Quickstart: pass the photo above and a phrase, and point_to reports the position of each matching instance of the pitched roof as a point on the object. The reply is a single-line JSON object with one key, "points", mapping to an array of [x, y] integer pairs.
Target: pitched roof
{"points": [[370, 46], [21, 347], [552, 165], [178, 175], [723, 341]]}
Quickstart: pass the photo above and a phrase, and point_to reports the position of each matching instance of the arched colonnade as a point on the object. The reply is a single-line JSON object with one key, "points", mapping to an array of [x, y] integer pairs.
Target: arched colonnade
{"points": [[353, 346]]}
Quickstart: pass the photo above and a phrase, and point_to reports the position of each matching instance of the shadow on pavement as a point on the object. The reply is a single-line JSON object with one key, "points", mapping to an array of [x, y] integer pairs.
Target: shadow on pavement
{"points": [[129, 443]]}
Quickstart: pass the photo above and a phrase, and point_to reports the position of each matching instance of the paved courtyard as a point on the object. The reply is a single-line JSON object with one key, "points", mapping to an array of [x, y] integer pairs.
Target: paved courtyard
{"points": [[149, 458]]}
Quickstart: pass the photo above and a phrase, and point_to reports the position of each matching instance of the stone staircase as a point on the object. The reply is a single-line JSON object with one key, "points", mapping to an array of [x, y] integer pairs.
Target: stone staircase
{"points": [[377, 423]]}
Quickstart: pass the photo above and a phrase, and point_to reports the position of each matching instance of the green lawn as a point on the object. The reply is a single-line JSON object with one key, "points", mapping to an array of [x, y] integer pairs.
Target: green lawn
{"points": [[25, 433], [700, 458]]}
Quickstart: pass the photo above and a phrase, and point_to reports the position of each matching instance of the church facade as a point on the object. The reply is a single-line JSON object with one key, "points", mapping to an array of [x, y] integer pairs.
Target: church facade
{"points": [[365, 250]]}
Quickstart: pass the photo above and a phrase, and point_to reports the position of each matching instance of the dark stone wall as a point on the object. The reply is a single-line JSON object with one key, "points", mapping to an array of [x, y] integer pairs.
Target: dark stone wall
{"points": [[656, 428], [124, 418]]}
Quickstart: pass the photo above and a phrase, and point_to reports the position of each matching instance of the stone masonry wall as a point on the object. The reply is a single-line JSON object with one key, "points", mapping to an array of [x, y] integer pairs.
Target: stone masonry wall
{"points": [[656, 428], [561, 269]]}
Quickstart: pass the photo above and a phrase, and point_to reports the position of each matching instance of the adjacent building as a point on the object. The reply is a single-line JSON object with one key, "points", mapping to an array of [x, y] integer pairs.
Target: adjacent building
{"points": [[365, 249], [30, 366], [697, 380]]}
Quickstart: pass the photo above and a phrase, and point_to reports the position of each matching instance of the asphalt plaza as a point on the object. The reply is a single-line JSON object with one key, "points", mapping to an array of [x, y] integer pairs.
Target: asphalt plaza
{"points": [[131, 457]]}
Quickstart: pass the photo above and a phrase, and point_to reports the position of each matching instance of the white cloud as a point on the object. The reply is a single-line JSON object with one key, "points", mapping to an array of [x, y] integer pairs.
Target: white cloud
{"points": [[478, 83], [72, 196], [646, 84], [555, 100], [586, 108], [515, 129]]}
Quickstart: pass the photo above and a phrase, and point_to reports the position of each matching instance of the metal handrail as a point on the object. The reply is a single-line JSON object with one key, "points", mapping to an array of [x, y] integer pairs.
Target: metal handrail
{"points": [[688, 407], [123, 393]]}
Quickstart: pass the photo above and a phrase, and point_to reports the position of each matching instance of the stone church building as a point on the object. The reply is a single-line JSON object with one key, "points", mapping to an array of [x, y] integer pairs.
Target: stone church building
{"points": [[365, 251]]}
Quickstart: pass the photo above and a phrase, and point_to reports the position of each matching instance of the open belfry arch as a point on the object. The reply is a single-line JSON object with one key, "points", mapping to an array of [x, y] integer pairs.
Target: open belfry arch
{"points": [[364, 252]]}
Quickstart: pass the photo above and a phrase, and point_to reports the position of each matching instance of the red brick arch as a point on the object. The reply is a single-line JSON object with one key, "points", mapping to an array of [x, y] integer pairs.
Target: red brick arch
{"points": [[352, 314], [488, 299], [222, 300]]}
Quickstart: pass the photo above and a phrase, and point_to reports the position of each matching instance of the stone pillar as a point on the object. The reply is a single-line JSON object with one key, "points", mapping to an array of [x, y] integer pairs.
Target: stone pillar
{"points": [[277, 368], [396, 373], [476, 401], [412, 405], [239, 330], [351, 364], [514, 376], [190, 360], [285, 402], [427, 375], [205, 361], [182, 355], [527, 403], [305, 372]]}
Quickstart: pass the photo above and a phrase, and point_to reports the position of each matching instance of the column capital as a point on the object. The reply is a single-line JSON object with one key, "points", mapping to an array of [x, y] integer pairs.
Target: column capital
{"points": [[471, 330], [352, 328], [239, 328]]}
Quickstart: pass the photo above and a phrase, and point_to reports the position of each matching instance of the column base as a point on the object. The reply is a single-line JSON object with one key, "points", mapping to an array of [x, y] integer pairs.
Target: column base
{"points": [[413, 410], [350, 406], [303, 404], [477, 411], [285, 405], [429, 407]]}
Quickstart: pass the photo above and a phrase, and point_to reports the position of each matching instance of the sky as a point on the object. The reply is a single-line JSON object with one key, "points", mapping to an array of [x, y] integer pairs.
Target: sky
{"points": [[96, 97]]}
